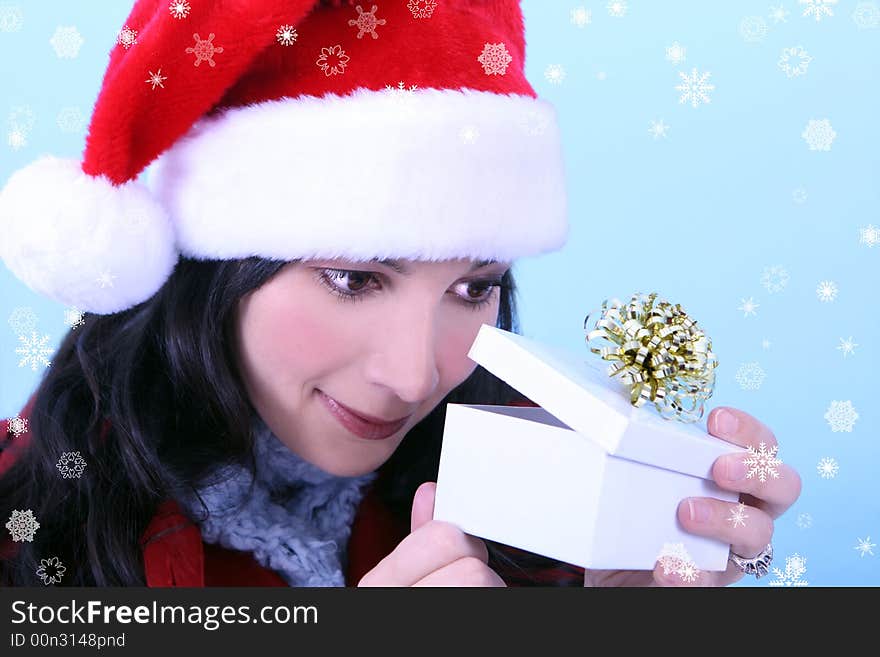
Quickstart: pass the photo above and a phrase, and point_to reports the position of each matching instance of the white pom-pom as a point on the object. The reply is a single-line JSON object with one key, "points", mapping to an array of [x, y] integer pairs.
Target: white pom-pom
{"points": [[83, 241]]}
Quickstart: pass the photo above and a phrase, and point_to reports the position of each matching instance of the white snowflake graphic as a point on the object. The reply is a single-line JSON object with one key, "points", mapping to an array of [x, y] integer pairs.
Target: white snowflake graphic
{"points": [[753, 29], [403, 97], [762, 463], [22, 525], [469, 134], [841, 416], [676, 53], [73, 317], [204, 50], [819, 135], [847, 346], [748, 306], [794, 61], [779, 14], [765, 344], [126, 37], [71, 119], [869, 235], [818, 8], [694, 88], [156, 79], [50, 570], [17, 139], [864, 546], [804, 520], [22, 320], [495, 59], [795, 568], [581, 16], [366, 22], [66, 41], [179, 8], [799, 196], [554, 73], [738, 515], [828, 467], [658, 129], [826, 291], [750, 376], [17, 426], [866, 16], [332, 60], [34, 351], [533, 123], [71, 465], [105, 279], [674, 558], [774, 279], [422, 8], [286, 35], [22, 117], [11, 18], [617, 8]]}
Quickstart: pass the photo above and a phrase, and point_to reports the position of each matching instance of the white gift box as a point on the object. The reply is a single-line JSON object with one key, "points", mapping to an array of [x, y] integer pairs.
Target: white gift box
{"points": [[586, 478]]}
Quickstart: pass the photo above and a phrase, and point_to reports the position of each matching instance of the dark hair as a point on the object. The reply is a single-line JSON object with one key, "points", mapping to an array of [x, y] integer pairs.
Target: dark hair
{"points": [[164, 373]]}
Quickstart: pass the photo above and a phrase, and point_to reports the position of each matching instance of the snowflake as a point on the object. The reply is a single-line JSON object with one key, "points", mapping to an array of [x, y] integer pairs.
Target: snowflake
{"points": [[818, 8], [738, 515], [179, 8], [71, 465], [403, 97], [534, 123], [156, 79], [841, 416], [22, 320], [126, 37], [694, 88], [50, 570], [866, 16], [332, 60], [828, 467], [11, 18], [617, 8], [847, 346], [658, 129], [774, 279], [16, 139], [748, 307], [869, 235], [819, 135], [804, 520], [18, 426], [495, 59], [765, 344], [555, 74], [22, 525], [366, 22], [826, 291], [422, 8], [66, 41], [286, 35], [779, 14], [864, 546], [204, 49], [674, 558], [581, 16], [753, 29], [676, 53], [71, 119], [799, 66], [73, 317], [469, 134], [795, 567], [762, 463], [799, 195], [34, 351], [22, 117], [105, 279]]}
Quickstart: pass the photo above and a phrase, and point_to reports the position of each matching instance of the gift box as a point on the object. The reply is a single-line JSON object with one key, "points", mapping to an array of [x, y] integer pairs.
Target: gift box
{"points": [[586, 477]]}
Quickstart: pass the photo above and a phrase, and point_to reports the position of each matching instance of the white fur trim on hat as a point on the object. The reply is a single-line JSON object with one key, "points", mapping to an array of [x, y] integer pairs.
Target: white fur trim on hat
{"points": [[83, 241], [425, 174]]}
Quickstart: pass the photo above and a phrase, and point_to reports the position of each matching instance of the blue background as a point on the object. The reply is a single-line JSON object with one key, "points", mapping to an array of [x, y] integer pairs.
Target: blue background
{"points": [[698, 215]]}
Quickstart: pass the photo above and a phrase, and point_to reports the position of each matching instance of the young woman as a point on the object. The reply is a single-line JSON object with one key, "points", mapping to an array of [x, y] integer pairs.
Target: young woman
{"points": [[268, 407]]}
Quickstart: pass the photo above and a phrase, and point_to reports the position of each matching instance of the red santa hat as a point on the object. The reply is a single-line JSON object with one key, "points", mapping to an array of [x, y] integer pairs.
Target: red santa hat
{"points": [[294, 129]]}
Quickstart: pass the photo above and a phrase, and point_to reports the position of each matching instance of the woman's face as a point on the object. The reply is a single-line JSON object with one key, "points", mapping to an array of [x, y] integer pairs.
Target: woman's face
{"points": [[394, 349]]}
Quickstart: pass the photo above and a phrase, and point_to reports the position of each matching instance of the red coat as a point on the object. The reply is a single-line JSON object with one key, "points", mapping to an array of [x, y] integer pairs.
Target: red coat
{"points": [[175, 555]]}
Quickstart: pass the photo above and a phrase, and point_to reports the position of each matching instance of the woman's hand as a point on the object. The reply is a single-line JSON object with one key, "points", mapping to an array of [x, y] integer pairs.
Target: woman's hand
{"points": [[707, 516]]}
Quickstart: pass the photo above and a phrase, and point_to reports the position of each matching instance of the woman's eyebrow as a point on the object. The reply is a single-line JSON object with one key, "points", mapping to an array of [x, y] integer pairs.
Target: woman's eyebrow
{"points": [[402, 269]]}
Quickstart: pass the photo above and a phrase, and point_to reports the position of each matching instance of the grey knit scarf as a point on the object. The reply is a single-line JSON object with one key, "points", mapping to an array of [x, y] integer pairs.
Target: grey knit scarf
{"points": [[296, 522]]}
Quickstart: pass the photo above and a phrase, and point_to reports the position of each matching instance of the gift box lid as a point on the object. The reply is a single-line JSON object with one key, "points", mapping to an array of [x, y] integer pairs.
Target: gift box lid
{"points": [[576, 390]]}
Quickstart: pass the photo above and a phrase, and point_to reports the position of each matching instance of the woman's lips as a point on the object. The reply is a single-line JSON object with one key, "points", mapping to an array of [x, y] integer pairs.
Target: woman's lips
{"points": [[358, 425]]}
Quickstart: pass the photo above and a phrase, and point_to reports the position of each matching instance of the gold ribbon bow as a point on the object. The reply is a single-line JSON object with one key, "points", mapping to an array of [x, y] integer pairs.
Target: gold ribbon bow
{"points": [[659, 352]]}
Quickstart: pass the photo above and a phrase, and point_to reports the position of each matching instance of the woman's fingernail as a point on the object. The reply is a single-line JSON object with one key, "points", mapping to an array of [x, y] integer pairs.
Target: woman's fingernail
{"points": [[700, 511], [726, 423], [736, 469]]}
